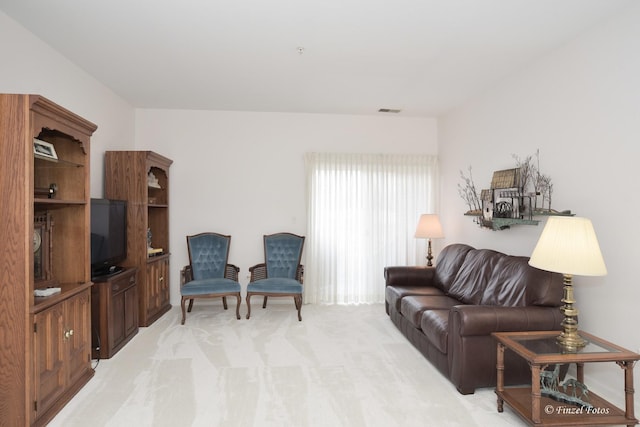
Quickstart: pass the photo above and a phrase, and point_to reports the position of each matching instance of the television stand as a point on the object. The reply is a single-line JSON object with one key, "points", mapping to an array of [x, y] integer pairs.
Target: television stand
{"points": [[114, 312]]}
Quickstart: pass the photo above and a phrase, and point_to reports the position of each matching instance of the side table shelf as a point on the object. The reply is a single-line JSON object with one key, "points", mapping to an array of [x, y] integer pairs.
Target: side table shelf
{"points": [[114, 313], [540, 350], [554, 413]]}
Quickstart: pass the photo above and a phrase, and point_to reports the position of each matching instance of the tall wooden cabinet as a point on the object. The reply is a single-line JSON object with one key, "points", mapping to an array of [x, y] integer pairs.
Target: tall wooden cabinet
{"points": [[45, 341], [142, 178]]}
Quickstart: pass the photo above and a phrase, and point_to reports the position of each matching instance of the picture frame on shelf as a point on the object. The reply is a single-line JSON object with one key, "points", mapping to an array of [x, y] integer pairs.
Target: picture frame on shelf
{"points": [[44, 149]]}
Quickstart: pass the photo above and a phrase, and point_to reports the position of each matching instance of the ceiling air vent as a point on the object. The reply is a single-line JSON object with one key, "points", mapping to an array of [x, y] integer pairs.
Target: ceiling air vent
{"points": [[389, 110]]}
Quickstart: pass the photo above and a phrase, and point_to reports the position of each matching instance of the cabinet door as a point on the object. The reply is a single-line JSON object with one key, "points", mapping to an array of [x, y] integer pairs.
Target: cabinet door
{"points": [[164, 283], [154, 280], [77, 335], [157, 286], [130, 310], [117, 311], [117, 318], [49, 354]]}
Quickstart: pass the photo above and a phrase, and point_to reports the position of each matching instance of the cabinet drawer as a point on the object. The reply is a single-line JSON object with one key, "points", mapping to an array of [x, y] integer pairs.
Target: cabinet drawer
{"points": [[120, 285]]}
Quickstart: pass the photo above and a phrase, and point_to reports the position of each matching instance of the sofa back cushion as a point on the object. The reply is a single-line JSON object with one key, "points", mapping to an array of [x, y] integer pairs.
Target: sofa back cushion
{"points": [[516, 284], [448, 264], [471, 281]]}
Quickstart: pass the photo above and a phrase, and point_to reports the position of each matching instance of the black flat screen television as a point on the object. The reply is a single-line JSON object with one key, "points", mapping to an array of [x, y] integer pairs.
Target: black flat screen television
{"points": [[108, 236]]}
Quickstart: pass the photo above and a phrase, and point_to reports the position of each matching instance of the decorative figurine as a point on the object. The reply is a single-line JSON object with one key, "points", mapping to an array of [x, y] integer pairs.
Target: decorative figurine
{"points": [[550, 387], [512, 198], [152, 181]]}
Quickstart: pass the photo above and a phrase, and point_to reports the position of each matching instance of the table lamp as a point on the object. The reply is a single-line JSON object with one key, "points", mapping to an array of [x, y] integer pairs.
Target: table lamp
{"points": [[569, 245], [429, 228]]}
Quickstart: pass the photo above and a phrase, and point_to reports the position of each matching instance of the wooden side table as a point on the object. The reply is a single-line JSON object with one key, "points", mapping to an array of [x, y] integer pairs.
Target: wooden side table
{"points": [[540, 350]]}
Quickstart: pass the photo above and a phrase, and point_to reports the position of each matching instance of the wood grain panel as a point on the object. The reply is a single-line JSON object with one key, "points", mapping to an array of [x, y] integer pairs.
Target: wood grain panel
{"points": [[16, 245]]}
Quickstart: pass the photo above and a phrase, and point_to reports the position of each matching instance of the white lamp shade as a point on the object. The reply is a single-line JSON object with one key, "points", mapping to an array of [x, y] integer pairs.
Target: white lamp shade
{"points": [[569, 245], [429, 227]]}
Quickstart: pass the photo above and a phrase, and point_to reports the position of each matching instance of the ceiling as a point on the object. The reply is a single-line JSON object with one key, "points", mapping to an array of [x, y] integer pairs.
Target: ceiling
{"points": [[423, 57]]}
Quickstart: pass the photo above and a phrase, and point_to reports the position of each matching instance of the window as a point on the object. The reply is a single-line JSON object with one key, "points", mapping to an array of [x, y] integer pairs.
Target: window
{"points": [[362, 213]]}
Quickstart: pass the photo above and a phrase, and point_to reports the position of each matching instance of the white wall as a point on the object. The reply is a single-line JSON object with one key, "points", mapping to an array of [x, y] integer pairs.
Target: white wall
{"points": [[29, 65], [243, 174], [581, 107]]}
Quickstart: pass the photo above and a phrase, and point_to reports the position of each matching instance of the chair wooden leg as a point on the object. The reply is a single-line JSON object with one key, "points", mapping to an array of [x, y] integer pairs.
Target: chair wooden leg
{"points": [[190, 305], [264, 303], [184, 315], [298, 302], [224, 302], [238, 306], [248, 306]]}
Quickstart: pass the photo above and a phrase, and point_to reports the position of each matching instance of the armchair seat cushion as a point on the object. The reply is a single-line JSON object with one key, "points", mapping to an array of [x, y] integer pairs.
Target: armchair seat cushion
{"points": [[209, 286], [275, 285]]}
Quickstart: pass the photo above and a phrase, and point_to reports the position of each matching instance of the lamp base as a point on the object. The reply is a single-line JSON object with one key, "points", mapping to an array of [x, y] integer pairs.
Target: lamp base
{"points": [[569, 339], [429, 254], [571, 343]]}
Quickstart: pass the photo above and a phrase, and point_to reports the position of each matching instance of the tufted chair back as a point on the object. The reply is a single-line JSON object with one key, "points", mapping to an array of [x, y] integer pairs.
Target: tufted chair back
{"points": [[282, 254], [208, 255]]}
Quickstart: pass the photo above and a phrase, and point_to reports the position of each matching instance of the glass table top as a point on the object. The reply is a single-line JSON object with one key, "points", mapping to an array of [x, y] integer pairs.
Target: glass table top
{"points": [[549, 345]]}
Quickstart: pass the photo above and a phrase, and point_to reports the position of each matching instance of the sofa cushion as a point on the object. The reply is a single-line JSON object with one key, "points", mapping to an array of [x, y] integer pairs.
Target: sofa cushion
{"points": [[474, 274], [516, 284], [544, 287], [412, 307], [394, 294], [448, 264], [435, 325]]}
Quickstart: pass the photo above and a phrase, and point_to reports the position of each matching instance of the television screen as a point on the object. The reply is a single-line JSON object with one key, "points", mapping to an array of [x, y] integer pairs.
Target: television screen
{"points": [[108, 236]]}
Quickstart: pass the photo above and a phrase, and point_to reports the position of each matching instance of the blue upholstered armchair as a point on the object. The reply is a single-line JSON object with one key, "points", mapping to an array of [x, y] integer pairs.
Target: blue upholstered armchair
{"points": [[281, 273], [208, 274]]}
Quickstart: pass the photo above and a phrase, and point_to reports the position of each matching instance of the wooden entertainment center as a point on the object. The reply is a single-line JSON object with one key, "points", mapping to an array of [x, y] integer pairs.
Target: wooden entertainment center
{"points": [[142, 179], [46, 290], [45, 341]]}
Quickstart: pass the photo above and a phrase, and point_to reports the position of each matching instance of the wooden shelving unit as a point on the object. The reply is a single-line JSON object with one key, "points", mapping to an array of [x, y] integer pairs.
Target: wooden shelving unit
{"points": [[127, 178], [45, 353]]}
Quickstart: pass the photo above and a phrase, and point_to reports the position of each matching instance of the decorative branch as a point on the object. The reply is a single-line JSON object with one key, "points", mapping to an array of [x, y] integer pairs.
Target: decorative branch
{"points": [[527, 171], [469, 193], [546, 188]]}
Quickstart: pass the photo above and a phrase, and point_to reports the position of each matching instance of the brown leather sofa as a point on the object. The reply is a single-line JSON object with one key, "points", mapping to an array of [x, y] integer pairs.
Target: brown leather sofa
{"points": [[449, 311]]}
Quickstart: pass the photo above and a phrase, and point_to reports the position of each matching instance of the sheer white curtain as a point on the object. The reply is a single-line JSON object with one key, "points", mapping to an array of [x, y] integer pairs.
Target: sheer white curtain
{"points": [[362, 214]]}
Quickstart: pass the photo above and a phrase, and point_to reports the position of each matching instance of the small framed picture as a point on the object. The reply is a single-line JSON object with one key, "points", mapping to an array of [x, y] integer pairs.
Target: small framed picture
{"points": [[44, 149]]}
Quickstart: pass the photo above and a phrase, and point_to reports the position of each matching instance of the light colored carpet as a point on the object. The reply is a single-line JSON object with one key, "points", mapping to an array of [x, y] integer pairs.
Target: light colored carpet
{"points": [[340, 366]]}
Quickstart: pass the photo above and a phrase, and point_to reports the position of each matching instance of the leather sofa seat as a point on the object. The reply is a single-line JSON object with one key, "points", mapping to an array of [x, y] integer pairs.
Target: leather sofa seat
{"points": [[395, 294], [412, 307]]}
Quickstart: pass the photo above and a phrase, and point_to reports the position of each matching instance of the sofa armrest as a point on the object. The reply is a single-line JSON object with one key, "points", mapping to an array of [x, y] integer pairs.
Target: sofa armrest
{"points": [[409, 276], [472, 320], [472, 349]]}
